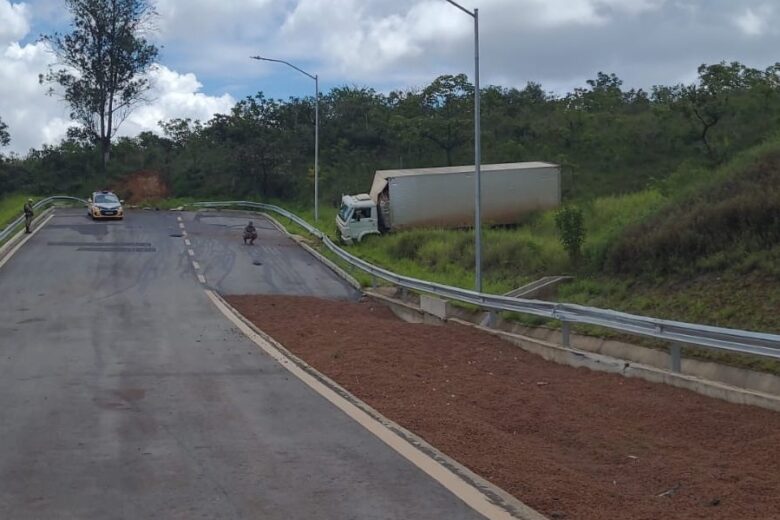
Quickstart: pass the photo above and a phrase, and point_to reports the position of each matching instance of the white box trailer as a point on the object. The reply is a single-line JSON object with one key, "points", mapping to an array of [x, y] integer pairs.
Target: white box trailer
{"points": [[444, 197]]}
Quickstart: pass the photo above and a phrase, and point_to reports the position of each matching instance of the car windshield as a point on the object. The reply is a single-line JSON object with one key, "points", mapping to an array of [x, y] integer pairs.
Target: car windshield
{"points": [[344, 211], [106, 198]]}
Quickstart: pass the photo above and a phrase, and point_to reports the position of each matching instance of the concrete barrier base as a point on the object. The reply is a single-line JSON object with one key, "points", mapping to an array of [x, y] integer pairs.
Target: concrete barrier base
{"points": [[576, 357]]}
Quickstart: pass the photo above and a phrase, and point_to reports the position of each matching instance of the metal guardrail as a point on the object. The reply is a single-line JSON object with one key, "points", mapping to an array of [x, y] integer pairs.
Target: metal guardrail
{"points": [[729, 340], [10, 228]]}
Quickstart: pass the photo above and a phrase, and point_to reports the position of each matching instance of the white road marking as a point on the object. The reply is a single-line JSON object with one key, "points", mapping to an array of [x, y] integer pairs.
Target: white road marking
{"points": [[469, 494], [202, 279], [187, 242], [190, 252], [178, 218], [181, 225], [183, 233], [196, 265]]}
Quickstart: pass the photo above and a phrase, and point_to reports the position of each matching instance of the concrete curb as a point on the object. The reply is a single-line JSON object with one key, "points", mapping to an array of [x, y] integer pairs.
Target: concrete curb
{"points": [[580, 358], [9, 246], [510, 506]]}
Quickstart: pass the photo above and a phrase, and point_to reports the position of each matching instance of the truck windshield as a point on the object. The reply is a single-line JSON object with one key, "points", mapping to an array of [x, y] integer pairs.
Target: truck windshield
{"points": [[344, 212]]}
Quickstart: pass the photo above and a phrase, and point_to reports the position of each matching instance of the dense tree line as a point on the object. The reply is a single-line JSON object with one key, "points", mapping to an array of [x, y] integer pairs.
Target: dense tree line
{"points": [[608, 139]]}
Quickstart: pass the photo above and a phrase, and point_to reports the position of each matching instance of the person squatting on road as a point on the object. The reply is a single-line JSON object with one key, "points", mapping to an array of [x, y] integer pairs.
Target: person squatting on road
{"points": [[29, 213], [250, 234]]}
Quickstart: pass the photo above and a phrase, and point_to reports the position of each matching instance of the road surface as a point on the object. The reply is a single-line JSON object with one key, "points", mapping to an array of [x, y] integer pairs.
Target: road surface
{"points": [[125, 394]]}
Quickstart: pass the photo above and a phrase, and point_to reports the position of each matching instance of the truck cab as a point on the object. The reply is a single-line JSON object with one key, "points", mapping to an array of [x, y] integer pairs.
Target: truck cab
{"points": [[357, 218]]}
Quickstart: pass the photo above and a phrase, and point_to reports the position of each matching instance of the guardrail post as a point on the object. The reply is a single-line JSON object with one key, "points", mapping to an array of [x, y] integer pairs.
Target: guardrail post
{"points": [[675, 353], [492, 318], [373, 281], [404, 293], [566, 334]]}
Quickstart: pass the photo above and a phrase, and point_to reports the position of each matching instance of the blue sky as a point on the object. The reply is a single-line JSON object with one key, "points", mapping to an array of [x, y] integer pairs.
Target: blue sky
{"points": [[386, 44]]}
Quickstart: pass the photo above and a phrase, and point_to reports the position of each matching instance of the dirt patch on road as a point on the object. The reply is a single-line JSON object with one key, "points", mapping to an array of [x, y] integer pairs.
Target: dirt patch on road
{"points": [[143, 186], [572, 443]]}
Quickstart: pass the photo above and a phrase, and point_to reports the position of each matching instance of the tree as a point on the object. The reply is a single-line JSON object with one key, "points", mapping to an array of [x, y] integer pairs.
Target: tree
{"points": [[102, 64], [442, 114], [707, 103], [5, 138]]}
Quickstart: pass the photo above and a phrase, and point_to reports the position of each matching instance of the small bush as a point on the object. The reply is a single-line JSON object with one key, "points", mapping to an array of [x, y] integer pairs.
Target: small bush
{"points": [[570, 225]]}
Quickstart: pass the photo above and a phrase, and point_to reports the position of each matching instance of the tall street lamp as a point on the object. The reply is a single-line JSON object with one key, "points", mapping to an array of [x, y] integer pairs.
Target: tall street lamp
{"points": [[477, 152], [316, 129]]}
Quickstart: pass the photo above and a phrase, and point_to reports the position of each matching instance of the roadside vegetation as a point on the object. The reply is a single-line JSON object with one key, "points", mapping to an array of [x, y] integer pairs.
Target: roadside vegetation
{"points": [[701, 246], [670, 194], [11, 207]]}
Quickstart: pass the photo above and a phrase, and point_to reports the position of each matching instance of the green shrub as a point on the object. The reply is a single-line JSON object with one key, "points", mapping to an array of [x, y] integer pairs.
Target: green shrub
{"points": [[406, 245], [572, 231]]}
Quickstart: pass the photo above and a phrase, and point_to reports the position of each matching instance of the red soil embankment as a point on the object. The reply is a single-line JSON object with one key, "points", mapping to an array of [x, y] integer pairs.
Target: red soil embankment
{"points": [[572, 443], [142, 186]]}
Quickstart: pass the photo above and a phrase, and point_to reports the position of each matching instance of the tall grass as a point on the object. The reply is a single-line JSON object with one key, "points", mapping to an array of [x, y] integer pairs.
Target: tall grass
{"points": [[711, 229], [606, 218], [11, 207], [513, 255], [682, 248]]}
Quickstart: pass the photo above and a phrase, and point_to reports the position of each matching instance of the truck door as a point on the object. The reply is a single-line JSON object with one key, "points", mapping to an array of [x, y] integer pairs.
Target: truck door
{"points": [[364, 222]]}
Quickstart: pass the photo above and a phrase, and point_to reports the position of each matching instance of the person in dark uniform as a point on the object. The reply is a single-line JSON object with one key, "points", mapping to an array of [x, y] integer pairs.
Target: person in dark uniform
{"points": [[29, 213], [250, 234]]}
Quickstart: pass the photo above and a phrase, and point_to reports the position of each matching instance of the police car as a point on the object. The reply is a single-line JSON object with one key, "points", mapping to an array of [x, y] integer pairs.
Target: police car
{"points": [[104, 204]]}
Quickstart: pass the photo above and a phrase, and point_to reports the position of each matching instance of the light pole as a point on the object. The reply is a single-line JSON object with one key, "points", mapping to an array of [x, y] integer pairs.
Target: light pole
{"points": [[477, 153], [316, 130]]}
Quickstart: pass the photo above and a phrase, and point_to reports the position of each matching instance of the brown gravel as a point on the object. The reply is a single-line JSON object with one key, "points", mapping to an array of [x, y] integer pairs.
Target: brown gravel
{"points": [[572, 443]]}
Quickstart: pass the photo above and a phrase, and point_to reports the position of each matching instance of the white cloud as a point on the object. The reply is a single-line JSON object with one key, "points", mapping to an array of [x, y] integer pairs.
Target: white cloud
{"points": [[13, 21], [192, 20], [359, 40], [33, 118], [174, 95], [753, 22]]}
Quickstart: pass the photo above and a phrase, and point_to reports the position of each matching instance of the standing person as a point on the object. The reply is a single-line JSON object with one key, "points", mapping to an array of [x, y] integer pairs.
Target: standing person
{"points": [[29, 213]]}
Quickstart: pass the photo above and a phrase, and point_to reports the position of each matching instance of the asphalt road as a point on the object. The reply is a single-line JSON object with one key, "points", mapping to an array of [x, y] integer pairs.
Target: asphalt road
{"points": [[125, 394], [273, 265]]}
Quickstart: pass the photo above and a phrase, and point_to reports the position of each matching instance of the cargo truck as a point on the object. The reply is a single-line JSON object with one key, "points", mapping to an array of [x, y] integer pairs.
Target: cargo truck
{"points": [[444, 197]]}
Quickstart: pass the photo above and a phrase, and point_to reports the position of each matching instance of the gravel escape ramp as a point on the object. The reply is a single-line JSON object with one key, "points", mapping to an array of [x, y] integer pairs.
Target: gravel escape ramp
{"points": [[571, 443]]}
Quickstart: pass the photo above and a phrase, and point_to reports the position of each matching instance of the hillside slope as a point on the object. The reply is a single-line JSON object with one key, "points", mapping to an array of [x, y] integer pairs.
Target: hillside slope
{"points": [[702, 246], [712, 255]]}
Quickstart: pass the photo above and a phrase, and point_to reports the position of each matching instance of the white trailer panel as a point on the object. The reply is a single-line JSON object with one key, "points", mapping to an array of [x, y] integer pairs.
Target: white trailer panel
{"points": [[445, 196]]}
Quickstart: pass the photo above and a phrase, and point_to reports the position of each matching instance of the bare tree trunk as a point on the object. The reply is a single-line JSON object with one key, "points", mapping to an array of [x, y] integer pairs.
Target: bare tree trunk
{"points": [[706, 126], [105, 153]]}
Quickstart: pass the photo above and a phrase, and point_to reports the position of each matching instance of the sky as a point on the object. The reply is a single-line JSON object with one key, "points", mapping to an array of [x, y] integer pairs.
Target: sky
{"points": [[204, 65]]}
